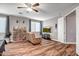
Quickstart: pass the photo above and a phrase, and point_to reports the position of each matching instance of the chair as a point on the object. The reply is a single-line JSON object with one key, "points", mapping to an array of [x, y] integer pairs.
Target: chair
{"points": [[33, 39]]}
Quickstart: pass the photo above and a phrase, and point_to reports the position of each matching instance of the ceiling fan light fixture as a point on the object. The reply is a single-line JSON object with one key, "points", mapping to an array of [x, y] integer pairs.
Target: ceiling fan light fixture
{"points": [[29, 9]]}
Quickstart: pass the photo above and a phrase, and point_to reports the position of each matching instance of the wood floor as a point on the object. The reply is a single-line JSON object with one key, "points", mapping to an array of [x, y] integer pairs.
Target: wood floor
{"points": [[46, 48]]}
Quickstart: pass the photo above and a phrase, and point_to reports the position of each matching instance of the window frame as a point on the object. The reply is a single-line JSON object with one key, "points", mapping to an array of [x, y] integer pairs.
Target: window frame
{"points": [[35, 29]]}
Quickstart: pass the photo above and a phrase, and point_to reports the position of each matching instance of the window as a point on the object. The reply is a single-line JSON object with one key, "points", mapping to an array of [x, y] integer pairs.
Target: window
{"points": [[35, 26], [2, 24]]}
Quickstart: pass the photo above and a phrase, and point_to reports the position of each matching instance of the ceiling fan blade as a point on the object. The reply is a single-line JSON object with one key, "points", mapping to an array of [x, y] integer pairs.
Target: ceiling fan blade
{"points": [[35, 10], [36, 4], [28, 4], [21, 7]]}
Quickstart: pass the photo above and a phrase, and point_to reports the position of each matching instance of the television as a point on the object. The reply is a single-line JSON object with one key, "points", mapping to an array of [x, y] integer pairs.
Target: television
{"points": [[47, 30]]}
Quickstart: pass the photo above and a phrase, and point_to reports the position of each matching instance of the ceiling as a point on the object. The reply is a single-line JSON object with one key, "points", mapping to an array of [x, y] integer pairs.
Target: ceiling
{"points": [[46, 10]]}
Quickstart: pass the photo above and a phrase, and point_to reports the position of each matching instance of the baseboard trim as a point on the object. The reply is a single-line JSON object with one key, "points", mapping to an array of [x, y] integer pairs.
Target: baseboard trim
{"points": [[69, 42], [55, 40], [58, 40], [77, 51], [64, 42]]}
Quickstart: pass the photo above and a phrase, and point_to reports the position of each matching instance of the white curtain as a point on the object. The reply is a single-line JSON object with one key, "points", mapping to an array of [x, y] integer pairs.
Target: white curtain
{"points": [[35, 26]]}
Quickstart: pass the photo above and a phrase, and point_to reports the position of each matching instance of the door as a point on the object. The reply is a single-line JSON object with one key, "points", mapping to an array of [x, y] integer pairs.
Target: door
{"points": [[71, 27]]}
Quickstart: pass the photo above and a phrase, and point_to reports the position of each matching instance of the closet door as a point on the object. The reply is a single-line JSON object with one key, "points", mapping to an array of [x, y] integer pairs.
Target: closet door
{"points": [[71, 28]]}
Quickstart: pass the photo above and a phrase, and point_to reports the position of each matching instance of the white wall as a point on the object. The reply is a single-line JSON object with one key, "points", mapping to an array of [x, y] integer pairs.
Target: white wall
{"points": [[13, 23], [51, 23], [77, 30], [56, 34], [61, 28]]}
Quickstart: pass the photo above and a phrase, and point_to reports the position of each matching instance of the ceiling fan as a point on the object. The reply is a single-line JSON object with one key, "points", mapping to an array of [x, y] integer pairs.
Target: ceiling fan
{"points": [[30, 6]]}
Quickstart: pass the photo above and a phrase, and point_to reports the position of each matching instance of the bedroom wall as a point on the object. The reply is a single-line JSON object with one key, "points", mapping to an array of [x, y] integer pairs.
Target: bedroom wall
{"points": [[13, 23], [51, 23], [56, 34]]}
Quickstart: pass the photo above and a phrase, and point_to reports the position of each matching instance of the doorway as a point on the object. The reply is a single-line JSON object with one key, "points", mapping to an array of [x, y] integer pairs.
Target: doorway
{"points": [[71, 28]]}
